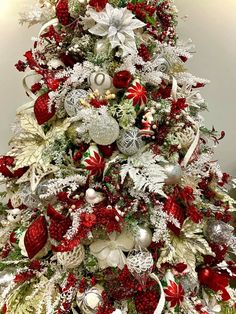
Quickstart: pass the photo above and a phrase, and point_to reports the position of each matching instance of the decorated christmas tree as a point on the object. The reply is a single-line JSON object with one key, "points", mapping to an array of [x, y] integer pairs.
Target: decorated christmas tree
{"points": [[115, 203]]}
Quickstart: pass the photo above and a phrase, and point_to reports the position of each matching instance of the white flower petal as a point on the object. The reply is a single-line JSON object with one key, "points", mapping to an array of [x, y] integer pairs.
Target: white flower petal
{"points": [[125, 241], [114, 258], [99, 30], [98, 246]]}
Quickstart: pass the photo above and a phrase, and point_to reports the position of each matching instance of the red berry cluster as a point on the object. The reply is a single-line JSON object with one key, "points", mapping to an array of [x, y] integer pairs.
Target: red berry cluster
{"points": [[146, 302], [144, 53], [62, 11], [141, 10]]}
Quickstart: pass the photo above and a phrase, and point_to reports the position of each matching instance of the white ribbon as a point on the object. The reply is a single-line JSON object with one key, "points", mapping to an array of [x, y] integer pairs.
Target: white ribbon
{"points": [[162, 300], [26, 87], [191, 148], [174, 89]]}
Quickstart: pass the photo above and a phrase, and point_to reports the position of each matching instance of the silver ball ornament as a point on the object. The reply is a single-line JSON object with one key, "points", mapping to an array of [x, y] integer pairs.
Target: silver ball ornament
{"points": [[104, 130], [173, 172], [72, 101], [218, 231], [143, 237], [101, 82], [130, 141]]}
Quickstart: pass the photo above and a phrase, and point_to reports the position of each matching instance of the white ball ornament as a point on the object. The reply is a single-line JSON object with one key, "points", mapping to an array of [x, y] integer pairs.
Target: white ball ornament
{"points": [[71, 259], [101, 46], [130, 141], [174, 173], [72, 101], [143, 237], [101, 82], [104, 130], [89, 301]]}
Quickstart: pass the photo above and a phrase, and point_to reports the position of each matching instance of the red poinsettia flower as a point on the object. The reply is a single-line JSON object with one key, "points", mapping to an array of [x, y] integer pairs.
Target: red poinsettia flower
{"points": [[138, 93], [174, 293], [95, 164]]}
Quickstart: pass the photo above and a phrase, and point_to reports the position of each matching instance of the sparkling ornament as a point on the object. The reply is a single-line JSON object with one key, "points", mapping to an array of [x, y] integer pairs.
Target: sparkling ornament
{"points": [[14, 215], [89, 301], [140, 263], [143, 236], [174, 173], [93, 197], [36, 236], [93, 161], [41, 109], [101, 82], [190, 284], [71, 259], [72, 101], [129, 142], [104, 130], [218, 231]]}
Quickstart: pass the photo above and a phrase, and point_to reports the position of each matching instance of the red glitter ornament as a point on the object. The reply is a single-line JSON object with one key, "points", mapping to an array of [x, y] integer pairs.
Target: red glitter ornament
{"points": [[36, 236], [41, 109], [122, 79], [144, 53]]}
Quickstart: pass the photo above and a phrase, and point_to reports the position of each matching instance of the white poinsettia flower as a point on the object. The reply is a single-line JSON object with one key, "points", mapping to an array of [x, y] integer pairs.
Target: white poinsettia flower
{"points": [[118, 25], [110, 252]]}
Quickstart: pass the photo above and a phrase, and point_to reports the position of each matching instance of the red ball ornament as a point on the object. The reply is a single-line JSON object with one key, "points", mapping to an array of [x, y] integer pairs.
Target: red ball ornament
{"points": [[204, 275], [41, 109], [122, 79], [36, 236], [107, 150]]}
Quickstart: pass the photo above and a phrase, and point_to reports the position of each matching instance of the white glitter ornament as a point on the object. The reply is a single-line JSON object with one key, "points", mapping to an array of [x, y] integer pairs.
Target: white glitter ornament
{"points": [[104, 130], [140, 263], [71, 259], [89, 301], [143, 236], [101, 82], [174, 173], [72, 102], [130, 141]]}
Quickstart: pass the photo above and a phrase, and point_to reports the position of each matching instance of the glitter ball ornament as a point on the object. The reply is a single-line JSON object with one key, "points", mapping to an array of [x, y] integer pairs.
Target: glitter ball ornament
{"points": [[143, 236], [41, 109], [174, 173], [104, 130], [36, 236], [72, 101], [71, 259], [89, 301], [101, 46], [190, 284], [101, 82], [218, 231], [140, 263], [129, 142]]}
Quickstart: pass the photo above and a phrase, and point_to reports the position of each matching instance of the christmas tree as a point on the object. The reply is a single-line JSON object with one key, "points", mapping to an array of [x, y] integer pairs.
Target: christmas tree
{"points": [[115, 203]]}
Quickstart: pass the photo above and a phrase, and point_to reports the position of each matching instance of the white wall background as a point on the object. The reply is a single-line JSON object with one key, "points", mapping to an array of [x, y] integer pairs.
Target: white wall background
{"points": [[211, 24]]}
